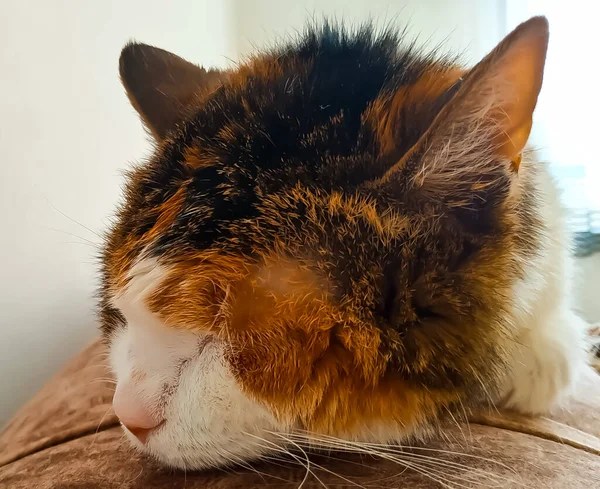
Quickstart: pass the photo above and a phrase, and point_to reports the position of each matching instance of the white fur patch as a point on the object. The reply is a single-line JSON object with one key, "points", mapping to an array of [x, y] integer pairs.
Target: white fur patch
{"points": [[550, 351], [183, 377]]}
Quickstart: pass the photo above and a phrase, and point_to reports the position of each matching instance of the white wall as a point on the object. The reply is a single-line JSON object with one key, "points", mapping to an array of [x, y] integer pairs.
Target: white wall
{"points": [[66, 133]]}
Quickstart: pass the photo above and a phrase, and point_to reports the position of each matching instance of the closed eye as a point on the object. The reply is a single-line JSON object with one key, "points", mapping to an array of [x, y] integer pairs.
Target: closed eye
{"points": [[426, 312], [423, 308]]}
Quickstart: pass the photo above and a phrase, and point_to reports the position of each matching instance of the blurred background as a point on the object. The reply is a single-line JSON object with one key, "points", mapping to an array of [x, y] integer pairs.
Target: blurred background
{"points": [[67, 131]]}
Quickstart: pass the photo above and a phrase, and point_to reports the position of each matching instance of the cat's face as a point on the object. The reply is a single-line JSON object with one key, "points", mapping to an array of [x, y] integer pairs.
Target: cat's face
{"points": [[325, 240]]}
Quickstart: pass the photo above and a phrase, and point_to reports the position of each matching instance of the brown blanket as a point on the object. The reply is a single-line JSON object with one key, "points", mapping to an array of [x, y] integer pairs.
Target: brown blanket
{"points": [[68, 437]]}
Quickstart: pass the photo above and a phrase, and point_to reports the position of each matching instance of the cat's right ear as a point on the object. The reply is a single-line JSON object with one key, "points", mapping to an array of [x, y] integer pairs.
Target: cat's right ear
{"points": [[160, 85]]}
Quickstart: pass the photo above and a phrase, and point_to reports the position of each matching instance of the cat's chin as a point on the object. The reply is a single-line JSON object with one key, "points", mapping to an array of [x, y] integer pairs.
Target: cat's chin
{"points": [[170, 447], [191, 456]]}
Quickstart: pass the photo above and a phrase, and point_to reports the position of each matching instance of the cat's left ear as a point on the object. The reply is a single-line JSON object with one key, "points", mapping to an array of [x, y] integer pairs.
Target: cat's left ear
{"points": [[477, 138], [160, 85]]}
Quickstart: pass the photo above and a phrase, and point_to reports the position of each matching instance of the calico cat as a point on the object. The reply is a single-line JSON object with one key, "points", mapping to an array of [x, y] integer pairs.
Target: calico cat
{"points": [[343, 236]]}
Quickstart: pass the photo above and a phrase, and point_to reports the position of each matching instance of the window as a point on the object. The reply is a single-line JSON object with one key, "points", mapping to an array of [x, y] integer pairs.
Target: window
{"points": [[567, 129]]}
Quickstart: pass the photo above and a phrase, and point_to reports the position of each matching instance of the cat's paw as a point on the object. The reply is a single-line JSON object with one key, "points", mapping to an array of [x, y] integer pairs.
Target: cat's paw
{"points": [[545, 368], [540, 381]]}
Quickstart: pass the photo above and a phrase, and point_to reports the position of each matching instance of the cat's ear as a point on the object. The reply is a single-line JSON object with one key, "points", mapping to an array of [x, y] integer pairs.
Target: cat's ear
{"points": [[160, 85], [478, 136]]}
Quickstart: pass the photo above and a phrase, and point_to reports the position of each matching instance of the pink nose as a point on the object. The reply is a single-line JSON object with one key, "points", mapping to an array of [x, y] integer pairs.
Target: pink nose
{"points": [[134, 415]]}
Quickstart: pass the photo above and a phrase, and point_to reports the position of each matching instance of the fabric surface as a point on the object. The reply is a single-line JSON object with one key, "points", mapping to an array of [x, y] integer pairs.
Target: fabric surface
{"points": [[68, 437]]}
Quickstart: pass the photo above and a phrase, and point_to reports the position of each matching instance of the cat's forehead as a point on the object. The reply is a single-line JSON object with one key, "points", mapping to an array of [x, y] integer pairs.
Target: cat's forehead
{"points": [[328, 123]]}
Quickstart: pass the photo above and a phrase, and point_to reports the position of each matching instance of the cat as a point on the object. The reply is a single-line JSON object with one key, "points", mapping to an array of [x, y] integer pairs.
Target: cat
{"points": [[344, 236]]}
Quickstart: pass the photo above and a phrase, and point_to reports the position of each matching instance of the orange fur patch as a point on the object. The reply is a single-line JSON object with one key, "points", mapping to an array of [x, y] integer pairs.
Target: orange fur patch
{"points": [[387, 113], [196, 158], [123, 257]]}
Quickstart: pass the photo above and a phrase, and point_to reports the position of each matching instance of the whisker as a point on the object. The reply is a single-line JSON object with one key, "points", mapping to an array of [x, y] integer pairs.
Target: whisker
{"points": [[466, 418], [322, 468], [226, 469], [87, 241], [93, 245], [109, 381], [404, 463], [72, 220], [122, 441], [492, 404], [280, 449], [319, 466], [424, 449], [414, 467], [271, 461], [460, 428], [242, 463], [137, 476], [98, 428], [391, 452], [466, 475], [470, 471], [308, 470], [392, 476]]}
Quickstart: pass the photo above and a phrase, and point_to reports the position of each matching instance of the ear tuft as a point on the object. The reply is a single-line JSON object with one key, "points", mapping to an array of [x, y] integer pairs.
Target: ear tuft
{"points": [[160, 85]]}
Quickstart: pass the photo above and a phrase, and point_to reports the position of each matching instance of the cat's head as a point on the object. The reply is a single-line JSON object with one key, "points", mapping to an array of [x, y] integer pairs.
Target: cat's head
{"points": [[325, 239]]}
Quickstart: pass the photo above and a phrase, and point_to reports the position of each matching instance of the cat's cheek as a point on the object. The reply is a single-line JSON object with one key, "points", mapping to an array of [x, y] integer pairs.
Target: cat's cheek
{"points": [[210, 420]]}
